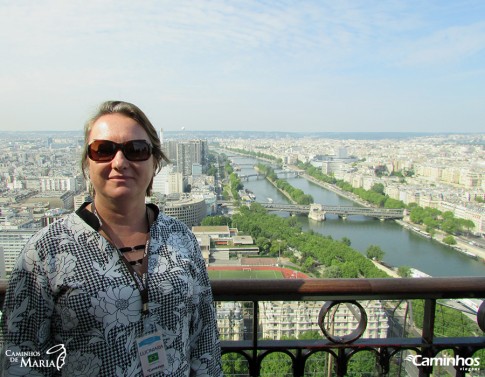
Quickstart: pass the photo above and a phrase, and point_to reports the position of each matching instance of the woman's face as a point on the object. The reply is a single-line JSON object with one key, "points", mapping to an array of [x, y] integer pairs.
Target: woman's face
{"points": [[119, 178]]}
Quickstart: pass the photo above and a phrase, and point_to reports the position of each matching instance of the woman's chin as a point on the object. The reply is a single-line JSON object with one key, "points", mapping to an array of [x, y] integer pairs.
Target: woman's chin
{"points": [[124, 193]]}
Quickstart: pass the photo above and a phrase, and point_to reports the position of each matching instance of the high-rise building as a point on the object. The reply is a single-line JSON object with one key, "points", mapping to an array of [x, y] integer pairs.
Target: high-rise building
{"points": [[168, 182], [3, 273], [341, 152], [13, 241], [184, 154]]}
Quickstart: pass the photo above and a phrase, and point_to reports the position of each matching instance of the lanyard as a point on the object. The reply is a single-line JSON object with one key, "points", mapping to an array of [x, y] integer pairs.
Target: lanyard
{"points": [[140, 281]]}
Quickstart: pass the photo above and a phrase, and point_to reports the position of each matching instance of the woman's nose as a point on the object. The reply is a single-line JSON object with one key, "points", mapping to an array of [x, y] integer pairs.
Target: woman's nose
{"points": [[119, 160]]}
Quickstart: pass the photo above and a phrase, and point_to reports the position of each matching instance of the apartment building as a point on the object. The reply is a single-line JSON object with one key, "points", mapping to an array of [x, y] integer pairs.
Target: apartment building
{"points": [[12, 241], [280, 319], [58, 184], [290, 319], [230, 320]]}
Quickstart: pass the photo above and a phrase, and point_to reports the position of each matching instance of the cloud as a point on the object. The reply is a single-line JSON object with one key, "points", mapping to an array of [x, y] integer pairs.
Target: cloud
{"points": [[450, 45], [213, 56]]}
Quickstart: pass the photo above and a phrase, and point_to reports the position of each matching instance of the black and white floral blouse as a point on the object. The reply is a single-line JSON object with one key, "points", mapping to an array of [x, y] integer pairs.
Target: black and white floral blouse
{"points": [[70, 287]]}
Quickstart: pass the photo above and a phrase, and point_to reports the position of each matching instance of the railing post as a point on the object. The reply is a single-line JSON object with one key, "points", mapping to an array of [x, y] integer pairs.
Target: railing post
{"points": [[255, 365], [298, 364], [342, 363], [383, 359], [428, 334]]}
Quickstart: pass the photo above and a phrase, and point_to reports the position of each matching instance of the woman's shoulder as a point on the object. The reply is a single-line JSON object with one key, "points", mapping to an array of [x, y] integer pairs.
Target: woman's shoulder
{"points": [[58, 229], [164, 220]]}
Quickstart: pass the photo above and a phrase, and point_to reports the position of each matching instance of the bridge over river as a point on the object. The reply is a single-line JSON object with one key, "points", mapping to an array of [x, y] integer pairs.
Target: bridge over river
{"points": [[245, 177], [318, 211]]}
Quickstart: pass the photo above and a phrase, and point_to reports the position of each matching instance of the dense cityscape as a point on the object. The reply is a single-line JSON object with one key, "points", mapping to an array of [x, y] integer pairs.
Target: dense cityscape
{"points": [[41, 174], [41, 180]]}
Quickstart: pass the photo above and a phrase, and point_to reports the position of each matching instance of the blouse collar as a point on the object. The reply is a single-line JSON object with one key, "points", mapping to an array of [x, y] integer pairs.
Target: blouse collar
{"points": [[92, 220]]}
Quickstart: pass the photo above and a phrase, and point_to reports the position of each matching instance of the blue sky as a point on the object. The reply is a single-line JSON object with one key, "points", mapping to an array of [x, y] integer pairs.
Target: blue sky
{"points": [[329, 66]]}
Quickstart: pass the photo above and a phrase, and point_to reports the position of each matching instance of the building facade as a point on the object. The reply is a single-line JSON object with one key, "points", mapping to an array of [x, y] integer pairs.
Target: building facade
{"points": [[191, 211]]}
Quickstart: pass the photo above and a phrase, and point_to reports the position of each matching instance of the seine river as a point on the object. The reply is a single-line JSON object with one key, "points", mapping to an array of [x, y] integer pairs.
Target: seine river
{"points": [[401, 246]]}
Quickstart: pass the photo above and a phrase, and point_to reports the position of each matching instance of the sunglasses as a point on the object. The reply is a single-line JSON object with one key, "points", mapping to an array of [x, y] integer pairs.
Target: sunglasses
{"points": [[105, 150]]}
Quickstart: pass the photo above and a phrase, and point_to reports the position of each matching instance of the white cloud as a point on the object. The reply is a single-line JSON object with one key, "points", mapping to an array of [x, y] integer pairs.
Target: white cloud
{"points": [[451, 45], [201, 54]]}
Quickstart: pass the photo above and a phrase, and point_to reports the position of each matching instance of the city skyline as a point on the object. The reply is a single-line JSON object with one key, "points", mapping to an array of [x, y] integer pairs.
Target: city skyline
{"points": [[252, 66]]}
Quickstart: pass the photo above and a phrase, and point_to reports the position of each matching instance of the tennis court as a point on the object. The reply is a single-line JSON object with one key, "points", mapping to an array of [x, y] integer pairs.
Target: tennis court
{"points": [[246, 273]]}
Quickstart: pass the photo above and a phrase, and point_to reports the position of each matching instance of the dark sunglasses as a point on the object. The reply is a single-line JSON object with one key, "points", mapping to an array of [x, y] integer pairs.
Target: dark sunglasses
{"points": [[105, 150]]}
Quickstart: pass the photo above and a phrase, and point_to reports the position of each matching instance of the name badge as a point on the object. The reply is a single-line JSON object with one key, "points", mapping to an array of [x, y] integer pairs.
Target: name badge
{"points": [[152, 353]]}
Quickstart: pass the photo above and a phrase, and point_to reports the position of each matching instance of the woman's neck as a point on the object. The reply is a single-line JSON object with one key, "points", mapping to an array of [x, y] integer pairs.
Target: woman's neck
{"points": [[129, 217]]}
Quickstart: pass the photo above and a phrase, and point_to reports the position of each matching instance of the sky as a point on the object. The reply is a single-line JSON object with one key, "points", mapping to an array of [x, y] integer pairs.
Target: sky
{"points": [[289, 65]]}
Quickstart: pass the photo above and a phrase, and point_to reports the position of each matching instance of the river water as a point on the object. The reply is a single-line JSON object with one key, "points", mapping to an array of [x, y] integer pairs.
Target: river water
{"points": [[401, 246]]}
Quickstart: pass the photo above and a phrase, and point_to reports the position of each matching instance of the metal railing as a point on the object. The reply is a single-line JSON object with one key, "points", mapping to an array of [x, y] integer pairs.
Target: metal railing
{"points": [[352, 292], [341, 349]]}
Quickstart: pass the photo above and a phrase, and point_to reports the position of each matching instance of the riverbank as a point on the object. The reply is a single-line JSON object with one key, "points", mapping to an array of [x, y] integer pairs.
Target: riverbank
{"points": [[330, 187], [277, 188], [463, 246], [391, 272], [469, 250]]}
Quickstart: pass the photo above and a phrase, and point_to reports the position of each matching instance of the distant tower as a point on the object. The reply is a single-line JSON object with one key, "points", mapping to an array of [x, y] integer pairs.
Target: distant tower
{"points": [[342, 152], [161, 136]]}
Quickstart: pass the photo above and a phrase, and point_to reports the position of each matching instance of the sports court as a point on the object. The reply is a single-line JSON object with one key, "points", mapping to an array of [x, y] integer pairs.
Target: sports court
{"points": [[245, 273]]}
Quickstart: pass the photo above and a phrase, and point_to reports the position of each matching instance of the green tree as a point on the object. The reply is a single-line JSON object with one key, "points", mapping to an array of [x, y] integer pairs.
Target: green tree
{"points": [[362, 364], [374, 252], [449, 240], [404, 271], [449, 226], [378, 187], [264, 244], [308, 264], [393, 203], [234, 364], [346, 241], [467, 224], [317, 364], [333, 272], [417, 215], [276, 364]]}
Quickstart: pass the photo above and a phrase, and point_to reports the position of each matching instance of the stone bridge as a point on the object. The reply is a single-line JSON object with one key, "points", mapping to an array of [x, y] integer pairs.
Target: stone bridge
{"points": [[318, 211]]}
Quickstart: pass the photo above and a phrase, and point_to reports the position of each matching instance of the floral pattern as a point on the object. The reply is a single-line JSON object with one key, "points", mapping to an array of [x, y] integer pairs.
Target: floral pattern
{"points": [[69, 319], [71, 287], [79, 364], [119, 306]]}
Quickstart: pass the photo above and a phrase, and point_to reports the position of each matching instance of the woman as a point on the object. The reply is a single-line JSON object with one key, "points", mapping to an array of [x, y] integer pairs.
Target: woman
{"points": [[116, 288]]}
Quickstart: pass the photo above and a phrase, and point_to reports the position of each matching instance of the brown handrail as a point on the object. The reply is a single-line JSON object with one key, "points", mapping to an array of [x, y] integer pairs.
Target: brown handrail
{"points": [[331, 289], [439, 287], [361, 289]]}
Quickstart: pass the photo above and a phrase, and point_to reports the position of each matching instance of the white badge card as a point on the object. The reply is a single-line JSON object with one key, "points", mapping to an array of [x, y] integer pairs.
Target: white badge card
{"points": [[152, 353]]}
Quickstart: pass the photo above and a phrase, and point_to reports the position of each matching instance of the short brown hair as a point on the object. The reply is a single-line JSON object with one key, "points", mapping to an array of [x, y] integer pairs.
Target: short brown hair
{"points": [[133, 112]]}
